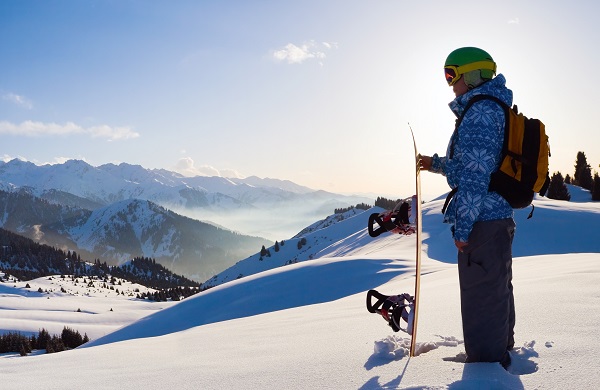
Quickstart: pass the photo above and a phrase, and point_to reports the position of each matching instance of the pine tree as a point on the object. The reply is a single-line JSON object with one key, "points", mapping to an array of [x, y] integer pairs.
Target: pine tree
{"points": [[42, 339], [302, 242], [55, 344], [558, 189], [71, 338], [596, 187], [387, 204], [587, 181], [583, 172]]}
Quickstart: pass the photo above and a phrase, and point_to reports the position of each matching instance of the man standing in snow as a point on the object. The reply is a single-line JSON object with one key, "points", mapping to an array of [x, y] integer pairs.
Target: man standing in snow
{"points": [[482, 221]]}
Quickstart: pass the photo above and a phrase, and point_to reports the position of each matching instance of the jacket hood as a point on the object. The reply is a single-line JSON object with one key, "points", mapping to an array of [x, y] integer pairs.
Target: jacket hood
{"points": [[495, 87]]}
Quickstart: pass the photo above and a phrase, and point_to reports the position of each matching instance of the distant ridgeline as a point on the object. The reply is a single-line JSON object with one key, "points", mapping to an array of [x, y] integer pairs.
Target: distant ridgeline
{"points": [[25, 259], [360, 206], [382, 202]]}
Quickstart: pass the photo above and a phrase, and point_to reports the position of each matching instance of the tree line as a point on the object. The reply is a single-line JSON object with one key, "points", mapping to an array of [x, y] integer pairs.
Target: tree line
{"points": [[173, 294], [360, 206], [582, 177], [24, 345]]}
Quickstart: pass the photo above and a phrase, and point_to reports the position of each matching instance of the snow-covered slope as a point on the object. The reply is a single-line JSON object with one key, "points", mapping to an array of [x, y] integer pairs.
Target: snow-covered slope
{"points": [[305, 325], [87, 304], [311, 243], [341, 234]]}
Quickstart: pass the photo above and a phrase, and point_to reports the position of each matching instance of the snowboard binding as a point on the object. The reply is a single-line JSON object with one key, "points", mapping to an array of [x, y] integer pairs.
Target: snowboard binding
{"points": [[394, 309], [390, 220]]}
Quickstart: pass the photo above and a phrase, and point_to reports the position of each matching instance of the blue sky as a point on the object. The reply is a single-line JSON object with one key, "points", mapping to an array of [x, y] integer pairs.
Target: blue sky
{"points": [[317, 92]]}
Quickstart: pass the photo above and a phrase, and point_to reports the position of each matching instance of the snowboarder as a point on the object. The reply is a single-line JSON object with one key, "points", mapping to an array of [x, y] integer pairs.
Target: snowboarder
{"points": [[481, 221]]}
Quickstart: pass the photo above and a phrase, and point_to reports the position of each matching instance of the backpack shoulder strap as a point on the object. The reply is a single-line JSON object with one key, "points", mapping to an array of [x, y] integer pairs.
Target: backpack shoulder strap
{"points": [[475, 99], [478, 98]]}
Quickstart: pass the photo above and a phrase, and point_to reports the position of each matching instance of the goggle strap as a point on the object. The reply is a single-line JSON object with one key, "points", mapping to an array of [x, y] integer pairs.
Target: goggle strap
{"points": [[476, 65]]}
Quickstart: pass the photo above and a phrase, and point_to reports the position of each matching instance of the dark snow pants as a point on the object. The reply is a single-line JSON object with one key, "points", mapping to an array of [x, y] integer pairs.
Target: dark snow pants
{"points": [[486, 292]]}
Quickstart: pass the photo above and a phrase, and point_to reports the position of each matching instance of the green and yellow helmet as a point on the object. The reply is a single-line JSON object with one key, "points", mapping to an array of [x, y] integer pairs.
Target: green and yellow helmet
{"points": [[467, 59]]}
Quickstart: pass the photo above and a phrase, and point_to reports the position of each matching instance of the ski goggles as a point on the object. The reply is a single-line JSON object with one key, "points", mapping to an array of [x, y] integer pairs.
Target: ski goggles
{"points": [[453, 73]]}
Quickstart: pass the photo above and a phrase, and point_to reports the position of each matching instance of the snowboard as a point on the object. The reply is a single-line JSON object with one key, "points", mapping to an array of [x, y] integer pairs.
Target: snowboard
{"points": [[419, 235], [401, 309]]}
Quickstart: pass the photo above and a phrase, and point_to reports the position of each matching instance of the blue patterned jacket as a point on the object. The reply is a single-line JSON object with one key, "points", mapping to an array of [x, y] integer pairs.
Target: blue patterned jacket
{"points": [[477, 153]]}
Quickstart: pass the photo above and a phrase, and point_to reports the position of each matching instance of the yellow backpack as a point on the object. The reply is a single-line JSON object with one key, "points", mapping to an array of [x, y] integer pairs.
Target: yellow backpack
{"points": [[525, 152]]}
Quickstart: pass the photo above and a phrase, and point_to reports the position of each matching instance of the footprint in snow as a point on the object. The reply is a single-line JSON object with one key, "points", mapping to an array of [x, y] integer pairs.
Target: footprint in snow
{"points": [[520, 359], [395, 348], [521, 363]]}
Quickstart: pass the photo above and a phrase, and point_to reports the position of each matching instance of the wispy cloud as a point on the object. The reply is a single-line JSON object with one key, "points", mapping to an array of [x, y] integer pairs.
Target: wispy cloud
{"points": [[7, 157], [38, 129], [513, 21], [19, 100], [311, 50], [187, 167]]}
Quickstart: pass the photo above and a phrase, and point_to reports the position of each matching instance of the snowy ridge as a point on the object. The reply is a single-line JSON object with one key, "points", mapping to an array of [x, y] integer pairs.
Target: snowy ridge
{"points": [[342, 234], [316, 240], [110, 183], [136, 217]]}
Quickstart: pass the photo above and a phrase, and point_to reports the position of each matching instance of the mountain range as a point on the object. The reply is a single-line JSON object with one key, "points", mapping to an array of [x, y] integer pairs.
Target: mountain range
{"points": [[192, 225]]}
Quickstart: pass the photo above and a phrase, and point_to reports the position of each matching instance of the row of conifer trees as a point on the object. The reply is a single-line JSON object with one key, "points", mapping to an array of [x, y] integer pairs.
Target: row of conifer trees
{"points": [[17, 342], [582, 178]]}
